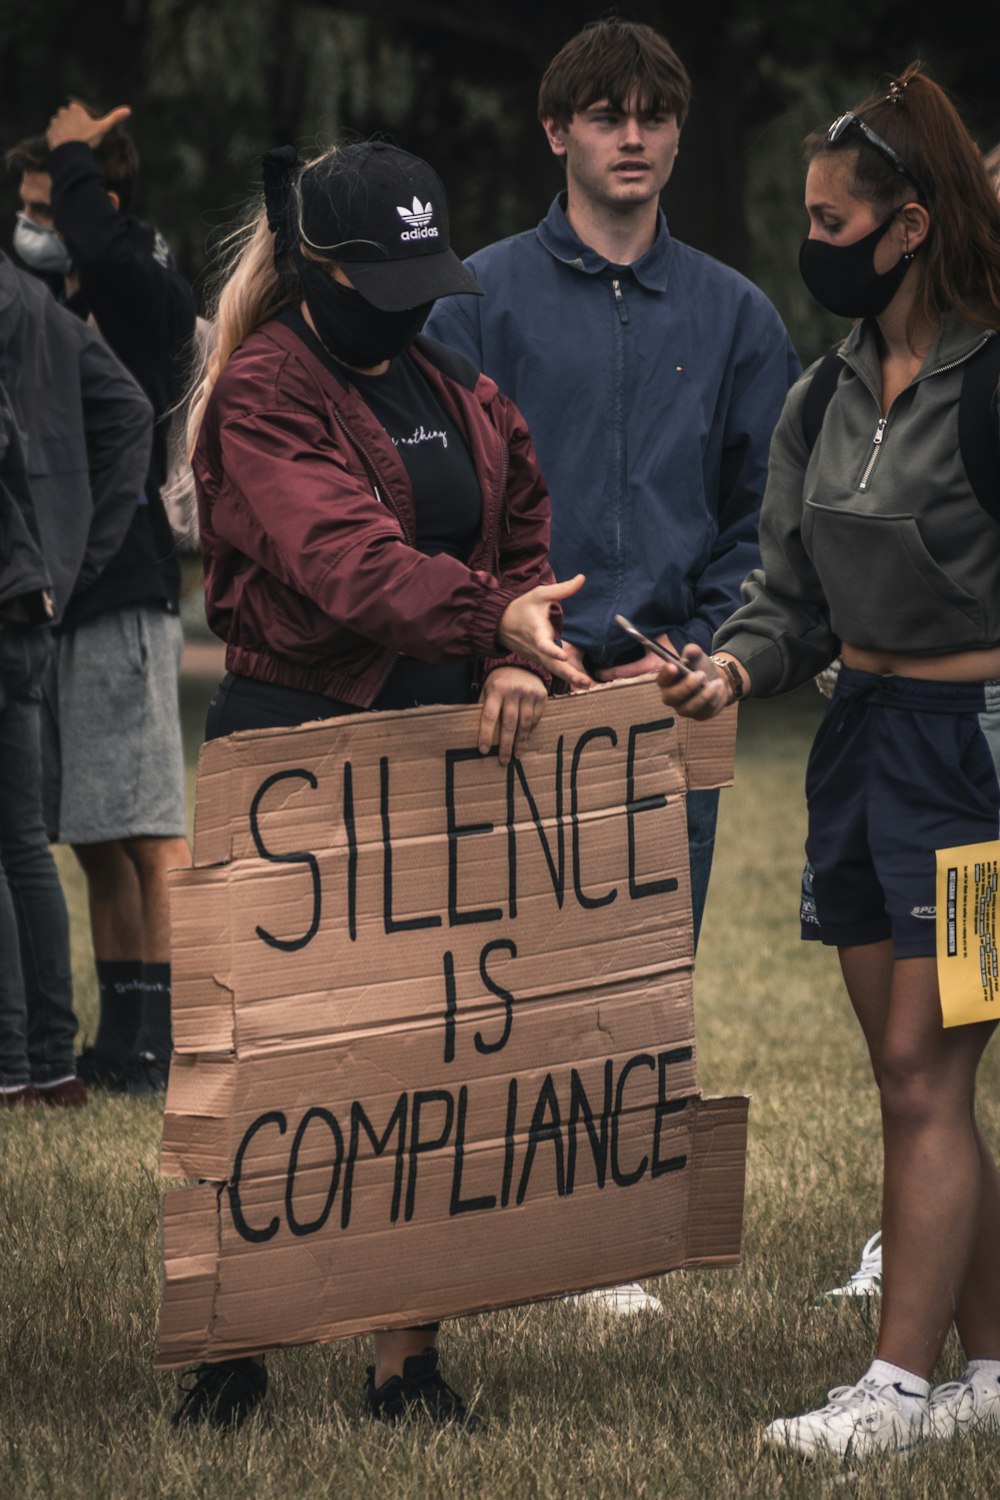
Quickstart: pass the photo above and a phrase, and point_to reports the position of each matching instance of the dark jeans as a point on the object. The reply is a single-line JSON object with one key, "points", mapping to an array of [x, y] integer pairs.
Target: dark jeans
{"points": [[702, 813], [37, 1024]]}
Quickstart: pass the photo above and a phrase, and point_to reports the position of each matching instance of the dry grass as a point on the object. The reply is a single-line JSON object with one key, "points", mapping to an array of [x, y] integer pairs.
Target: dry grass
{"points": [[580, 1406]]}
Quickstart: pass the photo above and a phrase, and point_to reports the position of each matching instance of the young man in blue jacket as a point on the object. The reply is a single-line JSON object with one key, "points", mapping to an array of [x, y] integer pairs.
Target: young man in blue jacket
{"points": [[650, 375]]}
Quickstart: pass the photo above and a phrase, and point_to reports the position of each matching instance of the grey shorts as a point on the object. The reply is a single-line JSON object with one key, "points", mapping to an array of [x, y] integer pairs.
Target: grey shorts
{"points": [[112, 755]]}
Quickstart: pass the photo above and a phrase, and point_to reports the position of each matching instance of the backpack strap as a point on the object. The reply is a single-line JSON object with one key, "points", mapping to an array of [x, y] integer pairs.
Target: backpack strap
{"points": [[978, 427], [817, 397]]}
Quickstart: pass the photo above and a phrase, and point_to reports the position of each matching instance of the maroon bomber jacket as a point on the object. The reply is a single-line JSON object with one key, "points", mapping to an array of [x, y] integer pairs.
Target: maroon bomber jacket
{"points": [[307, 524]]}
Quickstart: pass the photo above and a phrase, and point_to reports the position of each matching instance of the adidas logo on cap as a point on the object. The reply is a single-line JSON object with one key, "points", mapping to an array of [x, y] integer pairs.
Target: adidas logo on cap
{"points": [[418, 216]]}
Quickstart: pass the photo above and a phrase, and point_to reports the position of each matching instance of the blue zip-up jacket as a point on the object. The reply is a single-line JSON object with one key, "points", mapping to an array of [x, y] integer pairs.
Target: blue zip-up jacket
{"points": [[651, 392]]}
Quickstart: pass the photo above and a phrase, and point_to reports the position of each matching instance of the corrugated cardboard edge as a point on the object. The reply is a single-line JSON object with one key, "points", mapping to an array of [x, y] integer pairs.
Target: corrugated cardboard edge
{"points": [[709, 750], [191, 1253], [715, 1222]]}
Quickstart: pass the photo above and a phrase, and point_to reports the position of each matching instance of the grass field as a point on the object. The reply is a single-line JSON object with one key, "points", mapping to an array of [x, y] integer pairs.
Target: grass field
{"points": [[580, 1405]]}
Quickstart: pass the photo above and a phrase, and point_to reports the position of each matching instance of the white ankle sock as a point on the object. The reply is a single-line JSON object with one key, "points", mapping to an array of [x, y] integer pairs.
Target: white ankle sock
{"points": [[906, 1386], [986, 1369]]}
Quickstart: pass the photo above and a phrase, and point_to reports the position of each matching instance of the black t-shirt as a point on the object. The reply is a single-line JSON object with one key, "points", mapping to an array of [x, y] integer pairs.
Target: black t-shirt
{"points": [[446, 497]]}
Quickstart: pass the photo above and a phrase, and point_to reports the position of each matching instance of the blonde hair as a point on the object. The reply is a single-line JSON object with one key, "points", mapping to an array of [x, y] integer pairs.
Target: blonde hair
{"points": [[249, 290]]}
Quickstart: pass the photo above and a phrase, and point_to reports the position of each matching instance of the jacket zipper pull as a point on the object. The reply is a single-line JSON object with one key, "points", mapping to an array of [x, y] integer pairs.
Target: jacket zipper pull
{"points": [[378, 497], [620, 301], [876, 444]]}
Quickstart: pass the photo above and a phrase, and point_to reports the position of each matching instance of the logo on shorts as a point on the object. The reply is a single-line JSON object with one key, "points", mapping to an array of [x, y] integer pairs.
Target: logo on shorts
{"points": [[925, 913]]}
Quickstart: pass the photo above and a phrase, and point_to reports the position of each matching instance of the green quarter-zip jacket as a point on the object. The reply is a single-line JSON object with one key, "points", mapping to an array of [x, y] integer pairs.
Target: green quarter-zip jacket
{"points": [[876, 537]]}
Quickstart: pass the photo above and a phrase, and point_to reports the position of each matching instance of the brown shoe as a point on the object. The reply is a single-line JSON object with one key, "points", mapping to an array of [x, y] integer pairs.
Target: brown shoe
{"points": [[22, 1098], [71, 1093]]}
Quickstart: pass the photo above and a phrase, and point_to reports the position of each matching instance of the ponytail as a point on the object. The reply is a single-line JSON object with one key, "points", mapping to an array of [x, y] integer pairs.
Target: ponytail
{"points": [[257, 278], [250, 291]]}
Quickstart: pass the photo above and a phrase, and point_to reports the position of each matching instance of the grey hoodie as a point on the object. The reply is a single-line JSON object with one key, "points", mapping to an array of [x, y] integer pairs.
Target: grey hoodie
{"points": [[876, 537]]}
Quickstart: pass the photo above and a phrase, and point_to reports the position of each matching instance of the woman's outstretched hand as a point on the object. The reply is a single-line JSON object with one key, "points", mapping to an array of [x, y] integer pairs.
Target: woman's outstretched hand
{"points": [[526, 628], [701, 693], [512, 701]]}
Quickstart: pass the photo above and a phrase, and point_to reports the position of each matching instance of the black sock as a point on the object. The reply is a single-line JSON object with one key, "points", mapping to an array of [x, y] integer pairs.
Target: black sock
{"points": [[121, 991], [154, 1039]]}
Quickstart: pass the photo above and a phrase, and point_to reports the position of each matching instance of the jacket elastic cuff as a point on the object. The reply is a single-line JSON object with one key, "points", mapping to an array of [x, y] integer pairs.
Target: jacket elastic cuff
{"points": [[483, 636], [491, 663]]}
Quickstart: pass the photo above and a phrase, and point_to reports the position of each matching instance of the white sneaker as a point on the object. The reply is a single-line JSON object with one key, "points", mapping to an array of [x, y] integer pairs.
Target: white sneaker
{"points": [[965, 1406], [866, 1281], [857, 1421], [622, 1301]]}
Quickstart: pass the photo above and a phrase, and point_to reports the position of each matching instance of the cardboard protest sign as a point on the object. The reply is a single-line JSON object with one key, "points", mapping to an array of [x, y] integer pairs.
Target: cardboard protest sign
{"points": [[433, 1025], [968, 955]]}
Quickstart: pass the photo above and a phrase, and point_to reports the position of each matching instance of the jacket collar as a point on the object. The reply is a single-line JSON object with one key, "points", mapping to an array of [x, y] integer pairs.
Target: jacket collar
{"points": [[955, 342], [561, 241]]}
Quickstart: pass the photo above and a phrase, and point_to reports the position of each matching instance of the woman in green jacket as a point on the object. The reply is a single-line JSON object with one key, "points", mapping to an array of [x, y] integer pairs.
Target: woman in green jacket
{"points": [[875, 547]]}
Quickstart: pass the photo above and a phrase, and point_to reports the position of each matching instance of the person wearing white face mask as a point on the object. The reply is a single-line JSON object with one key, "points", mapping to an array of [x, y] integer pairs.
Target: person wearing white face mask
{"points": [[40, 247]]}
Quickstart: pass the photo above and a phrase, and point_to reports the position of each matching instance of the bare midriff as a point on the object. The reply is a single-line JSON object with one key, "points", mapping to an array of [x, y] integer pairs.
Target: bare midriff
{"points": [[952, 666]]}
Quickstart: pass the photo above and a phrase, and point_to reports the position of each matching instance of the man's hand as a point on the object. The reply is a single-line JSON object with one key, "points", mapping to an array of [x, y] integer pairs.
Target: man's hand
{"points": [[512, 702], [73, 123]]}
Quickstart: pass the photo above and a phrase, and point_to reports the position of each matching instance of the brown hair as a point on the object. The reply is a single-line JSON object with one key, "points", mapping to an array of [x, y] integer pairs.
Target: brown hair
{"points": [[991, 161], [960, 259], [116, 155], [614, 60]]}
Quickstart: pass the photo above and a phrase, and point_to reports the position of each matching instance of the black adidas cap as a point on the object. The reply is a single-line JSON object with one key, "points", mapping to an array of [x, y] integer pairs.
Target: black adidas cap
{"points": [[382, 214]]}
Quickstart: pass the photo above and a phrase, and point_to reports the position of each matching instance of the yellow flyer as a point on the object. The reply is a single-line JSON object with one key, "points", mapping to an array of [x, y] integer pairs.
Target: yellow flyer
{"points": [[968, 961]]}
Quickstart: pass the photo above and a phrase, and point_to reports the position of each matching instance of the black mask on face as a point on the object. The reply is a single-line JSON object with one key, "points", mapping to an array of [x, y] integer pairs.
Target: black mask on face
{"points": [[348, 326], [843, 278]]}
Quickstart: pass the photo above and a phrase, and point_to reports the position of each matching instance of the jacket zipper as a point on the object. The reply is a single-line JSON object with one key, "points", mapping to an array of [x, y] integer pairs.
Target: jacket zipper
{"points": [[504, 508], [491, 548], [376, 478], [876, 445], [880, 429], [392, 656]]}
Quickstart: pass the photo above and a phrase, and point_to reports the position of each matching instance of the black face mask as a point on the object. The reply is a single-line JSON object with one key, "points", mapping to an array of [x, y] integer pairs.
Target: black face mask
{"points": [[348, 326], [843, 278]]}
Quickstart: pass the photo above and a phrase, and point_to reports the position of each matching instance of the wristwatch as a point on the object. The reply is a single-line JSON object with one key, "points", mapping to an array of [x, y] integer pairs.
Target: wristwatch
{"points": [[732, 671]]}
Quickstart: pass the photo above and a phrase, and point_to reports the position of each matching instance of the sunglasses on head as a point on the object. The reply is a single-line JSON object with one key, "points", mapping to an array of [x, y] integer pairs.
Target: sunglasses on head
{"points": [[841, 126]]}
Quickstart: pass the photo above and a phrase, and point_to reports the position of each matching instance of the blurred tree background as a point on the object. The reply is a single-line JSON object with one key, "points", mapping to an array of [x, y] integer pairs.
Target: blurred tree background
{"points": [[213, 83]]}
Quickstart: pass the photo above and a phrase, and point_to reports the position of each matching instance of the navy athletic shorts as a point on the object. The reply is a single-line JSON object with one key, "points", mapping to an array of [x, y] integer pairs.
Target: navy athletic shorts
{"points": [[900, 768]]}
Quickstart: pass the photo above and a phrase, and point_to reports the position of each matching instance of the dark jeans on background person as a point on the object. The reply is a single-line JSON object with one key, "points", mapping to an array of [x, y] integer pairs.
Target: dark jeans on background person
{"points": [[37, 1023], [702, 813]]}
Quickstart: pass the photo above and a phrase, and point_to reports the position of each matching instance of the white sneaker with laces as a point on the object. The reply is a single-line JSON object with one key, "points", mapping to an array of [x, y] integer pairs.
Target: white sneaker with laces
{"points": [[623, 1301], [970, 1404], [857, 1421], [866, 1281]]}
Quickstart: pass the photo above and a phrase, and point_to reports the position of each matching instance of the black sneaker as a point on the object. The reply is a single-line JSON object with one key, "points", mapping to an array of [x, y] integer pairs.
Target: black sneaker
{"points": [[223, 1394], [419, 1391], [99, 1070], [142, 1077]]}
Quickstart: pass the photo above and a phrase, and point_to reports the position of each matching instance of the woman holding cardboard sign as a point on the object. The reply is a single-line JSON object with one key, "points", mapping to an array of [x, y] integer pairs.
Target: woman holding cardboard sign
{"points": [[880, 542], [374, 524]]}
